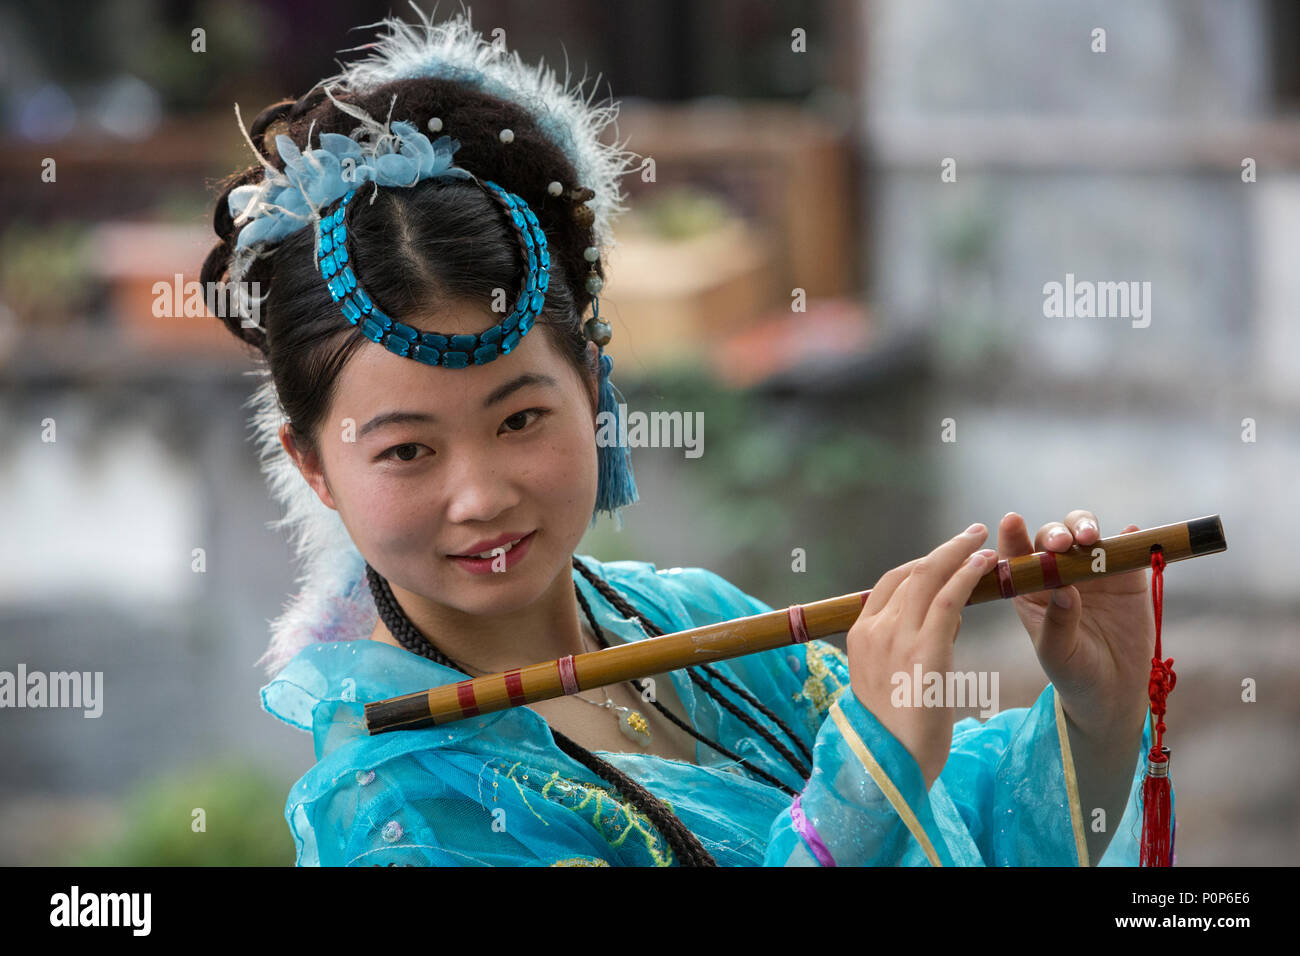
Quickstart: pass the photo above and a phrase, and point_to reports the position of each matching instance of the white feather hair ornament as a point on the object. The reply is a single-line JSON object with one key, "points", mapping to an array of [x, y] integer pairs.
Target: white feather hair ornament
{"points": [[454, 50], [334, 602]]}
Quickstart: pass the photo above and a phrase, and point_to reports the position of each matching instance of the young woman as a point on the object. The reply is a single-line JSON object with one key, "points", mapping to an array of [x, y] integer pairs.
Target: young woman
{"points": [[438, 457]]}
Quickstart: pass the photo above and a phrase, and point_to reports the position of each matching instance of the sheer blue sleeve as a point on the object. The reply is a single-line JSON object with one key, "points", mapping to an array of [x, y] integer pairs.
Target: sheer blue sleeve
{"points": [[1008, 794], [865, 803], [1013, 781], [419, 809], [442, 796]]}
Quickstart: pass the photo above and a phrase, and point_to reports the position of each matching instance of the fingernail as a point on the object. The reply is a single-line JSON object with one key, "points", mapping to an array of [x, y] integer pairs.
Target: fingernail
{"points": [[1061, 598], [1087, 525], [975, 528]]}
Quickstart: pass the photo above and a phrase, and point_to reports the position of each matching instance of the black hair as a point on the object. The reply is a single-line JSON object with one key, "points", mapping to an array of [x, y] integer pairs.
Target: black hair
{"points": [[412, 249], [433, 244]]}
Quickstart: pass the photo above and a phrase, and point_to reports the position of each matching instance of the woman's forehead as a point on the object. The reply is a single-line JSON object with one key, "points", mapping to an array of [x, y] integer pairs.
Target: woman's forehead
{"points": [[377, 379], [455, 317]]}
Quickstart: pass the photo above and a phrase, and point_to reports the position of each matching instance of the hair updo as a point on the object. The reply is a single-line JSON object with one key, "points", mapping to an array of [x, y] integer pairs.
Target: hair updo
{"points": [[413, 249]]}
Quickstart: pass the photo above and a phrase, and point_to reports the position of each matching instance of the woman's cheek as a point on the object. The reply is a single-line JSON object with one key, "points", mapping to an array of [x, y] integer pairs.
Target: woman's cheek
{"points": [[396, 532], [569, 468], [388, 519]]}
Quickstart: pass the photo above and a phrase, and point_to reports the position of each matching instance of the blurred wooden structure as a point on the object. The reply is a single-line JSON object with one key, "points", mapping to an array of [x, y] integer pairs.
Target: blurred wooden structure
{"points": [[784, 177], [787, 175]]}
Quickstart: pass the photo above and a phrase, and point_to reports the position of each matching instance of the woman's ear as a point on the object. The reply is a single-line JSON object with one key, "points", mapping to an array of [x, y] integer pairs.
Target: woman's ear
{"points": [[309, 464]]}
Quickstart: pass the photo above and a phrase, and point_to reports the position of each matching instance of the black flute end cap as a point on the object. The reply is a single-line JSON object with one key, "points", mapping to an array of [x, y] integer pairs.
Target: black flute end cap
{"points": [[1205, 535], [411, 713]]}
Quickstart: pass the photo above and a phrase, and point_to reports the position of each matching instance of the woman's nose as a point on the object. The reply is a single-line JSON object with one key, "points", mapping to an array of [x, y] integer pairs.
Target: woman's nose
{"points": [[479, 494]]}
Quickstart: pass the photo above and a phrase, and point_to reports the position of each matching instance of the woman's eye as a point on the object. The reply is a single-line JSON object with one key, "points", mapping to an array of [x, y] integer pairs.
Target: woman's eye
{"points": [[520, 420], [404, 452]]}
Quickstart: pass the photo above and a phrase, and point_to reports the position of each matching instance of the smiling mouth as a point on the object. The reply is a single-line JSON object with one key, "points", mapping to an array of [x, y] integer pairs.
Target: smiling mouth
{"points": [[504, 548]]}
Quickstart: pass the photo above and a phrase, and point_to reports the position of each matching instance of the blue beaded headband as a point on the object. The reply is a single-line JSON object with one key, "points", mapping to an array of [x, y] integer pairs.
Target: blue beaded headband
{"points": [[454, 351]]}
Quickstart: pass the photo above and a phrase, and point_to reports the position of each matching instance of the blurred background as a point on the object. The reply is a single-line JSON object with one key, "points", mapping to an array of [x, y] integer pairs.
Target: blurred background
{"points": [[840, 261]]}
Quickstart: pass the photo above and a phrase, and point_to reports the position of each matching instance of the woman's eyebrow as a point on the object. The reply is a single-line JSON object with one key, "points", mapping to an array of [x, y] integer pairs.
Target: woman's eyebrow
{"points": [[512, 386], [500, 394]]}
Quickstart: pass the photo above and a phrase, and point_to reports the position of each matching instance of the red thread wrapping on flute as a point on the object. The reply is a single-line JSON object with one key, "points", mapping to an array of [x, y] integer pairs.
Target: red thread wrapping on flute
{"points": [[1005, 586], [798, 625], [568, 675]]}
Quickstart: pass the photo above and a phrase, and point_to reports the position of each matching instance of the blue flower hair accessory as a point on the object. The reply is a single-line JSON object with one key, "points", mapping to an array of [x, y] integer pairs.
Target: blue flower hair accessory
{"points": [[393, 154], [285, 202]]}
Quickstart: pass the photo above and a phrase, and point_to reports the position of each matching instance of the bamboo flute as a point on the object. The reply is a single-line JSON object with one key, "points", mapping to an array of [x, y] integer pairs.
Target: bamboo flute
{"points": [[1011, 577]]}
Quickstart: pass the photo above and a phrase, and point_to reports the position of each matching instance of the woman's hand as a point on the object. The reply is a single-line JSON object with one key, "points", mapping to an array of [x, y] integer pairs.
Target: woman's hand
{"points": [[912, 616], [1096, 652]]}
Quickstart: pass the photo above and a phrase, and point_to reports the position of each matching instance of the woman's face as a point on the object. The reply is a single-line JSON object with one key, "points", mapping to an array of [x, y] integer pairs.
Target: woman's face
{"points": [[424, 463]]}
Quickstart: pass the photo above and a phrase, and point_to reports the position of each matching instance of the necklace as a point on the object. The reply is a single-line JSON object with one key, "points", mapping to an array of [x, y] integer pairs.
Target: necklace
{"points": [[631, 722]]}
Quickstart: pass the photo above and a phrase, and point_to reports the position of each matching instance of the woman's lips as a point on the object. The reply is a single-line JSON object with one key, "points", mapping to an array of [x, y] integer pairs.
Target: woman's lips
{"points": [[504, 562]]}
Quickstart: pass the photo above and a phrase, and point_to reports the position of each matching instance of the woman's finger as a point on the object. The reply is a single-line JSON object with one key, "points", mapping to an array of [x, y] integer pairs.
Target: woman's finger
{"points": [[886, 586], [1053, 536], [943, 620], [1013, 536], [1084, 526], [933, 572]]}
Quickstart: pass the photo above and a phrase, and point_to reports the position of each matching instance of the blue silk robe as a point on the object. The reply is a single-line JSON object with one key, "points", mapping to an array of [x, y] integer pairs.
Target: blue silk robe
{"points": [[495, 790]]}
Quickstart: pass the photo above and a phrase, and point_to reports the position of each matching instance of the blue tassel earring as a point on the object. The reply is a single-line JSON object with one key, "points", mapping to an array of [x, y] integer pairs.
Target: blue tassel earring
{"points": [[615, 487]]}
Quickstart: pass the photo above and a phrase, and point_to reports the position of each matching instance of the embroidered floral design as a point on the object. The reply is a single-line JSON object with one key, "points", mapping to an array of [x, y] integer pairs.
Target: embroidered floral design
{"points": [[822, 685], [614, 819], [580, 861]]}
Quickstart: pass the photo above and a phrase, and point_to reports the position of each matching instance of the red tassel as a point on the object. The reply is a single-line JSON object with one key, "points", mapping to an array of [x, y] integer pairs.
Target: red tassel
{"points": [[1157, 818], [1157, 825]]}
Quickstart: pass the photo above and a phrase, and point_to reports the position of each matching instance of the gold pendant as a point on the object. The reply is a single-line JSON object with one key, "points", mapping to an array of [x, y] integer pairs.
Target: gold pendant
{"points": [[633, 725]]}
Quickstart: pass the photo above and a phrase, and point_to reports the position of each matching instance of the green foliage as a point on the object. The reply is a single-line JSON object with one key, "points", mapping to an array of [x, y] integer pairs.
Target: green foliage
{"points": [[684, 212], [43, 269], [966, 236], [244, 824], [237, 40]]}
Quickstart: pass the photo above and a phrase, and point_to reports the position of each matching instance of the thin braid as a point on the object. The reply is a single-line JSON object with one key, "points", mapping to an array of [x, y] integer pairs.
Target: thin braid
{"points": [[685, 845], [654, 630], [765, 711], [799, 767]]}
